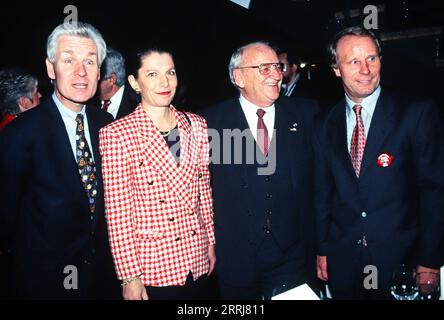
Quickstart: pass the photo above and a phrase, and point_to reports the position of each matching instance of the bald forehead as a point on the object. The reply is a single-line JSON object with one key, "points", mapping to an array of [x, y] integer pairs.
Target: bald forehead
{"points": [[259, 51]]}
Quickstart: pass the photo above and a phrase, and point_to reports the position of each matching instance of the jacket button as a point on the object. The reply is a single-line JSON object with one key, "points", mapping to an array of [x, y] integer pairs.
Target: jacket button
{"points": [[171, 219], [364, 214], [193, 233], [150, 183], [161, 201], [191, 213], [267, 179], [269, 195], [177, 239], [200, 174], [269, 211]]}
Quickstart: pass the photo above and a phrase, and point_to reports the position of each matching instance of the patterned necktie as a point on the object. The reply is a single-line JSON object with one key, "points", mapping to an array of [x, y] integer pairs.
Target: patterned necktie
{"points": [[86, 164], [358, 141], [262, 132], [106, 104]]}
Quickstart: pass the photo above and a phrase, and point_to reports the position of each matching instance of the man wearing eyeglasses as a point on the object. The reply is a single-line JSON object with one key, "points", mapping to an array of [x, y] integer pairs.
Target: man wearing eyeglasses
{"points": [[262, 219]]}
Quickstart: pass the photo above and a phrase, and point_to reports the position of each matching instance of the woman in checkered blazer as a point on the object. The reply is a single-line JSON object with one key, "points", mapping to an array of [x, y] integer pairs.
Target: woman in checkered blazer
{"points": [[157, 190]]}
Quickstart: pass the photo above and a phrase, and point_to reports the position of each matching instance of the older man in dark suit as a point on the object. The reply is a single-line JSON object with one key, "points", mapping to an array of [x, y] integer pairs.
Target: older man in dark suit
{"points": [[261, 178], [52, 214], [117, 98], [379, 164]]}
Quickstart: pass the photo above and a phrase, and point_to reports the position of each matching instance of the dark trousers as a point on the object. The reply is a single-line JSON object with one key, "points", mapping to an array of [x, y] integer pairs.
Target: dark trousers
{"points": [[192, 290], [275, 272]]}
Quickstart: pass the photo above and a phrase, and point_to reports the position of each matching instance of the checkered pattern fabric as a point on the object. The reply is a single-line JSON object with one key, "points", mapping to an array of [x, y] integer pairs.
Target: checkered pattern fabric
{"points": [[358, 141], [159, 212]]}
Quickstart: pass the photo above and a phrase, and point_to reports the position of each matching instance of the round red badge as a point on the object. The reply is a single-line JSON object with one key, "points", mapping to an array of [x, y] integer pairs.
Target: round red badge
{"points": [[385, 160]]}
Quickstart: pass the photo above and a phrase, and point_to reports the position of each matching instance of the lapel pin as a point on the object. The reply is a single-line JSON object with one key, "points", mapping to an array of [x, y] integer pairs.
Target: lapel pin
{"points": [[385, 160], [293, 127]]}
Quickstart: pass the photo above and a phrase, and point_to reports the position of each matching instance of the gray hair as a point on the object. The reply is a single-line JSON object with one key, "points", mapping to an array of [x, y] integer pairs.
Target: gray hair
{"points": [[79, 29], [352, 31], [236, 57], [15, 83], [114, 63]]}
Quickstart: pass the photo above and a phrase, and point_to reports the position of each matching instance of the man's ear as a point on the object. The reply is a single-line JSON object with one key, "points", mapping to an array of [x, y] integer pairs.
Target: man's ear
{"points": [[24, 103], [337, 71], [133, 83], [113, 78], [50, 69], [239, 78]]}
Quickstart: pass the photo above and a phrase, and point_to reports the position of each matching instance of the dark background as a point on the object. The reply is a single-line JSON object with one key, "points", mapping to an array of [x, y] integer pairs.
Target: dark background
{"points": [[203, 34]]}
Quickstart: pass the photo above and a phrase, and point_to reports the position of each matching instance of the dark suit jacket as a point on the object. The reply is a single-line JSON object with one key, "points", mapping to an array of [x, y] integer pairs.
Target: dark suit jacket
{"points": [[45, 218], [238, 194], [129, 102], [399, 208], [304, 89]]}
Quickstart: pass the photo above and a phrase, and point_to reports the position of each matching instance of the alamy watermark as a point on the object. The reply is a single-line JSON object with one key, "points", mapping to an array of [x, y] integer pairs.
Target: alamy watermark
{"points": [[71, 281], [230, 147]]}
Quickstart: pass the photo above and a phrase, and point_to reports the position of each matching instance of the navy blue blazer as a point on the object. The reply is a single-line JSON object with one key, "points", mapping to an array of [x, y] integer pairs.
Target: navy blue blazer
{"points": [[45, 217], [243, 200], [399, 208]]}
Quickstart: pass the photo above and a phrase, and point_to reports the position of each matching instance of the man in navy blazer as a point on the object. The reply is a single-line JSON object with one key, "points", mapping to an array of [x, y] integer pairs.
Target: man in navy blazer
{"points": [[379, 178], [58, 240], [116, 96], [262, 200]]}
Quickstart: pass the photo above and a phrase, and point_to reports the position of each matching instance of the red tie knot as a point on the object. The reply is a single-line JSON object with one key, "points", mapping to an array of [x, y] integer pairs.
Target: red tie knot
{"points": [[106, 103], [260, 113], [357, 109]]}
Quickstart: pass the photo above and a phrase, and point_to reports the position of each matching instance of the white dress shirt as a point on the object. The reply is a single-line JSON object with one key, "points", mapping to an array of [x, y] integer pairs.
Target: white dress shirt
{"points": [[368, 108], [116, 99], [69, 119], [250, 110]]}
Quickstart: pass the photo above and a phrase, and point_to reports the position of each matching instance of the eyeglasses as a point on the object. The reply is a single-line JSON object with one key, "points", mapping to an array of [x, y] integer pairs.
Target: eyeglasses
{"points": [[265, 68]]}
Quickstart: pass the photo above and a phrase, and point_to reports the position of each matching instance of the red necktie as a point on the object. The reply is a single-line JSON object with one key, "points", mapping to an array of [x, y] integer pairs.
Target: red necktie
{"points": [[106, 104], [358, 141], [262, 132]]}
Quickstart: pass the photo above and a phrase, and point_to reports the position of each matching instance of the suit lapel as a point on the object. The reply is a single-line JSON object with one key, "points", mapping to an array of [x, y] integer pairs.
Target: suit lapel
{"points": [[380, 127], [94, 127], [337, 135], [239, 121], [288, 127], [65, 163], [126, 105]]}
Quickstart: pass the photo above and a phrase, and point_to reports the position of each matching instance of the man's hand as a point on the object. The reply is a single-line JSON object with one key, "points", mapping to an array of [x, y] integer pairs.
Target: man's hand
{"points": [[135, 291], [212, 258], [321, 267]]}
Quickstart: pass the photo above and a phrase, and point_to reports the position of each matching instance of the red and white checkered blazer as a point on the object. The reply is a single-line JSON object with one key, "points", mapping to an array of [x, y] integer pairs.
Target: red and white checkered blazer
{"points": [[159, 213]]}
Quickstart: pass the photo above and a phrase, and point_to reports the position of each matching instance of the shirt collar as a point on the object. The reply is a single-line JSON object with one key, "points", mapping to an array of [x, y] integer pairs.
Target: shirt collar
{"points": [[251, 108], [117, 97], [368, 103], [65, 111]]}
